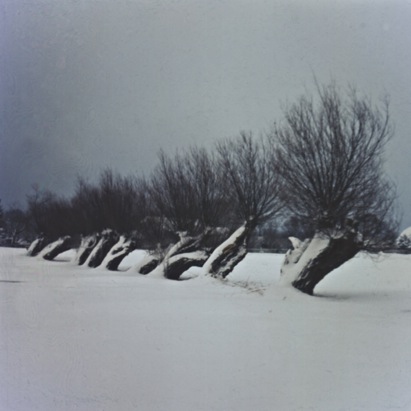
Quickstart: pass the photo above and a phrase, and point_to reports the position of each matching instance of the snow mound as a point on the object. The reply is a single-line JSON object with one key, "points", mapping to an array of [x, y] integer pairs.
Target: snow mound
{"points": [[404, 239], [406, 232], [81, 339]]}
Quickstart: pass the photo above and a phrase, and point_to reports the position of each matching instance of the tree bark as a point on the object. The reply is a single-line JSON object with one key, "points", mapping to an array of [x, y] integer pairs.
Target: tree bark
{"points": [[107, 240], [118, 252], [231, 252], [337, 252], [178, 264], [51, 251], [182, 255], [148, 264], [37, 245], [186, 253], [86, 247], [190, 252]]}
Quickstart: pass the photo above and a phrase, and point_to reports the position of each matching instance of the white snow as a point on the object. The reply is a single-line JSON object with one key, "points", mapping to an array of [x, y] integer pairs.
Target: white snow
{"points": [[74, 338], [406, 232], [404, 239]]}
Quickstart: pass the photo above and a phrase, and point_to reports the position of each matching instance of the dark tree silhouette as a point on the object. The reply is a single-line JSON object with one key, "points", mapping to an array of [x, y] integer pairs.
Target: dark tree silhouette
{"points": [[15, 224], [250, 180], [330, 156], [188, 200], [115, 202]]}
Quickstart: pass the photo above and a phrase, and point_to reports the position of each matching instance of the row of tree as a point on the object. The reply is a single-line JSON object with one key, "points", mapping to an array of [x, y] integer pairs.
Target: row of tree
{"points": [[321, 167]]}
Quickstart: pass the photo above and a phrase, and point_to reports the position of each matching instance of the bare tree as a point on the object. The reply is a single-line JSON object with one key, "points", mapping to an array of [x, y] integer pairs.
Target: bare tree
{"points": [[184, 189], [51, 218], [115, 203], [251, 183], [250, 171], [188, 199], [205, 176], [39, 202], [330, 155]]}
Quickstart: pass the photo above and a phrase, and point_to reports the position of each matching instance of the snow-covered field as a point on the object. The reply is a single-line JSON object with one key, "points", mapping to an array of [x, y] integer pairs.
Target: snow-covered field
{"points": [[73, 338]]}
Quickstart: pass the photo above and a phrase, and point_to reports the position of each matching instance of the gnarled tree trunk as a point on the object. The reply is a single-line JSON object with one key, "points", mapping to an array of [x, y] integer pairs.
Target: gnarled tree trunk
{"points": [[180, 257], [37, 245], [86, 247], [191, 252], [148, 264], [176, 265], [118, 252], [310, 261], [186, 253], [231, 252], [107, 240], [52, 250]]}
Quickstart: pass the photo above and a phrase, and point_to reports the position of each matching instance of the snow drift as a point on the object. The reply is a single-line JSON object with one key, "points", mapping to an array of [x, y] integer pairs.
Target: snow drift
{"points": [[72, 338]]}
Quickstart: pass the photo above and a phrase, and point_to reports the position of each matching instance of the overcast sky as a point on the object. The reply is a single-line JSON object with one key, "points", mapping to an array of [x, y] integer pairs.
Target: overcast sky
{"points": [[86, 84]]}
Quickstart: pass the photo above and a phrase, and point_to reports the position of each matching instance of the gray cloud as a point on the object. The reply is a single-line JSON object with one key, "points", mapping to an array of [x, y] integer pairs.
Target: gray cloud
{"points": [[88, 84]]}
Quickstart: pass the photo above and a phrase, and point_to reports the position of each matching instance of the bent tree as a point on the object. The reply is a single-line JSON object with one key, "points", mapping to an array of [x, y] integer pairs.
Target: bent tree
{"points": [[188, 200], [252, 185], [330, 156]]}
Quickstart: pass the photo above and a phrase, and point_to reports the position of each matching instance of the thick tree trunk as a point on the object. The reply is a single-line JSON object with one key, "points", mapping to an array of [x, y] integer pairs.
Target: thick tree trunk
{"points": [[186, 244], [180, 257], [51, 251], [86, 247], [37, 245], [231, 252], [186, 253], [175, 266], [312, 260], [148, 264], [338, 251], [191, 252], [118, 252], [107, 240]]}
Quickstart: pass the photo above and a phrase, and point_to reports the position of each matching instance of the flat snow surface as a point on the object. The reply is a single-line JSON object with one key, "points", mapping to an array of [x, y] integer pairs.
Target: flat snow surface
{"points": [[75, 338]]}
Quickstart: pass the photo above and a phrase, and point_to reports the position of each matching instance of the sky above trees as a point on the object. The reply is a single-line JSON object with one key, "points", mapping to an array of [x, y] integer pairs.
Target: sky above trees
{"points": [[90, 84]]}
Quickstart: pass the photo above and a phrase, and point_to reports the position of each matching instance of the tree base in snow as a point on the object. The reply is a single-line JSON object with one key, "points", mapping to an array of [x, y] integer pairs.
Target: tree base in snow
{"points": [[337, 252], [51, 251], [231, 252], [107, 240], [186, 253], [149, 264], [118, 252], [86, 247], [178, 264], [37, 245]]}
